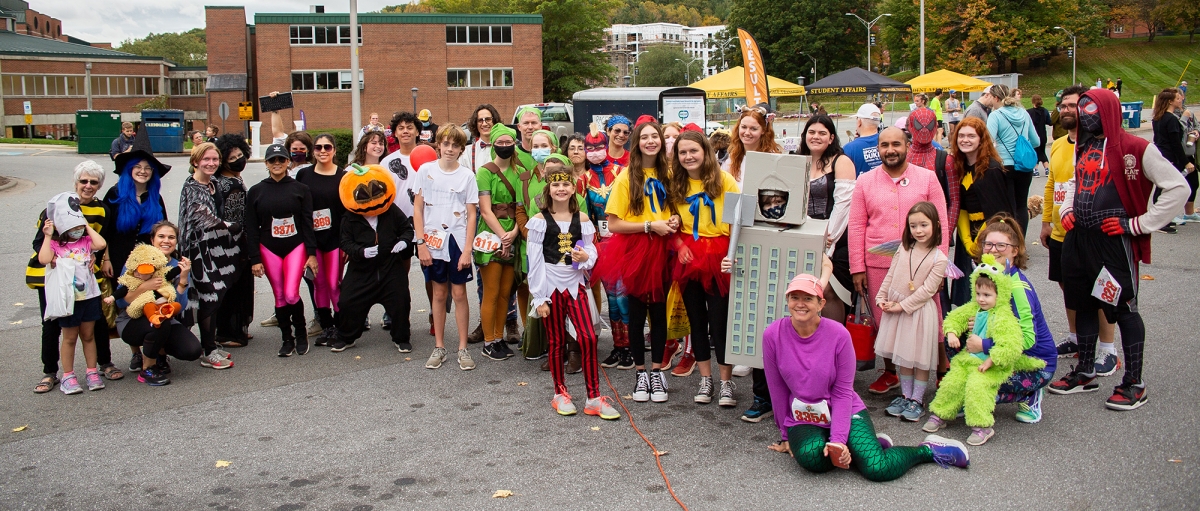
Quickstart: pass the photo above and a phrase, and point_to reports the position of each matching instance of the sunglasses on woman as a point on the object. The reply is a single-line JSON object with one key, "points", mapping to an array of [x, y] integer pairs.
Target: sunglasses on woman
{"points": [[323, 147]]}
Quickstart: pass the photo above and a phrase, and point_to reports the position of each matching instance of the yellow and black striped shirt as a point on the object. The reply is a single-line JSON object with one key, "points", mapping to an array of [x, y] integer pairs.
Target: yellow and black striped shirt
{"points": [[95, 212]]}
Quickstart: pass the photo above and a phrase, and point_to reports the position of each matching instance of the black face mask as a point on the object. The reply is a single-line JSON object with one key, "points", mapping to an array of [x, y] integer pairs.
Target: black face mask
{"points": [[299, 157], [237, 165], [504, 152]]}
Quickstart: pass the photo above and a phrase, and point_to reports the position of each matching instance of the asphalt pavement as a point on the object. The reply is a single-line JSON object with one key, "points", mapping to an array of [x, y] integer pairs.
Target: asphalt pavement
{"points": [[371, 428]]}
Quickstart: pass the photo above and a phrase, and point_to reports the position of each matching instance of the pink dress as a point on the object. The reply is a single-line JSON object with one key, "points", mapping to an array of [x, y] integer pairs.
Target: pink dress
{"points": [[910, 338]]}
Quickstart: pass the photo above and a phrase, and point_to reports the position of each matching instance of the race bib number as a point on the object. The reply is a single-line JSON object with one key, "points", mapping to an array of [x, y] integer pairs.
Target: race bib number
{"points": [[1060, 193], [426, 135], [487, 242], [283, 227], [435, 240], [604, 232], [322, 220], [816, 413], [1107, 289]]}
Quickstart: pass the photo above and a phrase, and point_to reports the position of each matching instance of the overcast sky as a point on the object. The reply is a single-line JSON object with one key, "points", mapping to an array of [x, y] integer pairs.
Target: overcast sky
{"points": [[114, 21]]}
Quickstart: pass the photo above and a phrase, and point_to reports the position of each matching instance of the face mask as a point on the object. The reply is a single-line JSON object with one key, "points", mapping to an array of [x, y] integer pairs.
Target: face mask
{"points": [[238, 165], [540, 154], [773, 212], [1089, 116], [73, 234], [670, 145], [504, 152], [424, 124], [299, 157], [597, 157]]}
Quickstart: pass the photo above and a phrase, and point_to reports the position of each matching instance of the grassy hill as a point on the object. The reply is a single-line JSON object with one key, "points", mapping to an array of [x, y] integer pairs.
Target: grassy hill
{"points": [[1145, 68]]}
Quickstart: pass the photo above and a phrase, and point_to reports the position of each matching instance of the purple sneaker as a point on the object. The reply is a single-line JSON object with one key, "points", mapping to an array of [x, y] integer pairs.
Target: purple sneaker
{"points": [[947, 453], [93, 381], [885, 441], [70, 385]]}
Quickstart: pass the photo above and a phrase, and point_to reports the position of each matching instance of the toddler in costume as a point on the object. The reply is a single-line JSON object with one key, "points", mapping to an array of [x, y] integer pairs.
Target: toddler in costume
{"points": [[974, 380]]}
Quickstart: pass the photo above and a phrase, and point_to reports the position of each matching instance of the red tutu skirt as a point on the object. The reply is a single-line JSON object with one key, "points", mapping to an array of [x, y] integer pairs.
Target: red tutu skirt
{"points": [[705, 268], [638, 262]]}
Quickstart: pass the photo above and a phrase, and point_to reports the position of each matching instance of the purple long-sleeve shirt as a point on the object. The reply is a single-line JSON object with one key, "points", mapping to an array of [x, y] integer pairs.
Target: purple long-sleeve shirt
{"points": [[811, 369]]}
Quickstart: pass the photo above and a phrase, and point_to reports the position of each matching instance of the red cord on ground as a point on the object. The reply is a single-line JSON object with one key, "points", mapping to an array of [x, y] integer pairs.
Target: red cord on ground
{"points": [[657, 455]]}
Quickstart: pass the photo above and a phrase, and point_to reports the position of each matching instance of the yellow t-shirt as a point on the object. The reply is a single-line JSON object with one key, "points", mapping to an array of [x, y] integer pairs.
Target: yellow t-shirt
{"points": [[707, 228], [618, 200], [1062, 169]]}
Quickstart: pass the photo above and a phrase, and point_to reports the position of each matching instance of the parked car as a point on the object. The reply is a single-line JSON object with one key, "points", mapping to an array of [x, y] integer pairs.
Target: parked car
{"points": [[558, 118]]}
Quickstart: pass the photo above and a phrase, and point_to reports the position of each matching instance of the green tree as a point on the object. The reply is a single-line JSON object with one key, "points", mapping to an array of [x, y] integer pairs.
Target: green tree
{"points": [[661, 66], [184, 48], [783, 28], [1183, 15]]}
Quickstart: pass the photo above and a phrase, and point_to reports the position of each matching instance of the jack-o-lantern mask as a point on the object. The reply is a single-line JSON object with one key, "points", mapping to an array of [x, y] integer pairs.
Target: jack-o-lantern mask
{"points": [[368, 190]]}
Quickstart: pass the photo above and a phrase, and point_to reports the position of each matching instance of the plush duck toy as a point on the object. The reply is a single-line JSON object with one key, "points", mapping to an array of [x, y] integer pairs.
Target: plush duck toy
{"points": [[148, 260]]}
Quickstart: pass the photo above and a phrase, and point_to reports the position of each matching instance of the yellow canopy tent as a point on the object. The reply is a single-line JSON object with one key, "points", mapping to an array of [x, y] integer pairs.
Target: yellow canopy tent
{"points": [[946, 79], [731, 83]]}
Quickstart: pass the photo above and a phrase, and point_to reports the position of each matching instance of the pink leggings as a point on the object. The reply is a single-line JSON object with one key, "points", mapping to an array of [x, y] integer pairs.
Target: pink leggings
{"points": [[284, 274], [329, 279]]}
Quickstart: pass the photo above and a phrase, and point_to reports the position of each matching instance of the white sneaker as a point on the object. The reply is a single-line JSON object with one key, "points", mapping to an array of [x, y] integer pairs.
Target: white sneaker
{"points": [[271, 321], [465, 362], [215, 360], [727, 400], [563, 405], [741, 371], [436, 358]]}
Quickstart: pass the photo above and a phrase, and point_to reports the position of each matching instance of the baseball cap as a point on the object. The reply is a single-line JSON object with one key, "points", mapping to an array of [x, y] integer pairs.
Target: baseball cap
{"points": [[902, 123], [806, 283], [424, 115], [869, 111], [275, 151]]}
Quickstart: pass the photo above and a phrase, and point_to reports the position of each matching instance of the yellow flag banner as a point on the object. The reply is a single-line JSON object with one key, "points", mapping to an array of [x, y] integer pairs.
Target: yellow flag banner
{"points": [[756, 72]]}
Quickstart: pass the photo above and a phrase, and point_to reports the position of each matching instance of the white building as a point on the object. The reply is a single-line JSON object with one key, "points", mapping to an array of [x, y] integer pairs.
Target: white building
{"points": [[624, 43]]}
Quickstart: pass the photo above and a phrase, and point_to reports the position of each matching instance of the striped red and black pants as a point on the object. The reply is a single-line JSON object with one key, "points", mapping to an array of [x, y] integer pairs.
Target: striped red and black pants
{"points": [[563, 307]]}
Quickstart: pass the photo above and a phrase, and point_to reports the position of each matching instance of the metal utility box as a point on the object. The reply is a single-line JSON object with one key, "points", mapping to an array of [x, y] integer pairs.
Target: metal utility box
{"points": [[665, 104], [96, 130], [767, 259], [165, 128]]}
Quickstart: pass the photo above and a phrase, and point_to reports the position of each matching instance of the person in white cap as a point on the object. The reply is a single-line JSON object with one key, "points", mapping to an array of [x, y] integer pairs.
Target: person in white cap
{"points": [[864, 150]]}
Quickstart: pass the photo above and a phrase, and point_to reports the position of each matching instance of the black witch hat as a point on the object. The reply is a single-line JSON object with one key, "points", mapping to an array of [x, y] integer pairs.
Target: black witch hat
{"points": [[141, 151]]}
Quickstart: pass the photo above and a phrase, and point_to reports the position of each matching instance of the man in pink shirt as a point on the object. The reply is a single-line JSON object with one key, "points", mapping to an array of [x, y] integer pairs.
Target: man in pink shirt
{"points": [[878, 215]]}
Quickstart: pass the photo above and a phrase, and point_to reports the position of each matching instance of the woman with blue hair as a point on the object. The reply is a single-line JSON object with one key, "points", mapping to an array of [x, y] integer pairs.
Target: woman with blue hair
{"points": [[135, 206]]}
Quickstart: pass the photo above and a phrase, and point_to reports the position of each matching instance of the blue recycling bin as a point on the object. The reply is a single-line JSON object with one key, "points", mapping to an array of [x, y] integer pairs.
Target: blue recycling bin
{"points": [[1131, 114], [165, 128]]}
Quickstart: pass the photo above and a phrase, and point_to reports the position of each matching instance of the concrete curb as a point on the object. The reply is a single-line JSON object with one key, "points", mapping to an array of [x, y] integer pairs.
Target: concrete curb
{"points": [[12, 181]]}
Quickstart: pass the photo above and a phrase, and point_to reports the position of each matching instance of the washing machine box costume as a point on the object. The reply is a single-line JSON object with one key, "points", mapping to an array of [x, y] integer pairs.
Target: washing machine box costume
{"points": [[774, 241]]}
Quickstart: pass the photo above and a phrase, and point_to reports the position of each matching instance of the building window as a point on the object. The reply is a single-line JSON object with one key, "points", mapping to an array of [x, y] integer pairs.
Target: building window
{"points": [[1119, 29], [186, 86], [322, 34], [478, 78], [323, 80], [478, 34], [43, 85]]}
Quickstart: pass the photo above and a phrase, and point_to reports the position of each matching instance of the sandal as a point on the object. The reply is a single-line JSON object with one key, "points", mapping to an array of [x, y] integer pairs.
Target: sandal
{"points": [[112, 373], [47, 384]]}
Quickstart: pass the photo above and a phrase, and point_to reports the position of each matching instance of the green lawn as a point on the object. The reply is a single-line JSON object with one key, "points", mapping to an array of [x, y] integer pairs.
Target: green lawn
{"points": [[41, 141], [1145, 68]]}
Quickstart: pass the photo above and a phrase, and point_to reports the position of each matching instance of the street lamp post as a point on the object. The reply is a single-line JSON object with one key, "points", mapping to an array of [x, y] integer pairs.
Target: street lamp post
{"points": [[414, 93], [687, 71], [814, 68], [1074, 53], [868, 24]]}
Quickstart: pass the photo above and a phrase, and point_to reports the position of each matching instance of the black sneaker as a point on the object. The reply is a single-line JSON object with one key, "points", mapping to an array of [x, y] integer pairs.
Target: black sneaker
{"points": [[613, 358], [340, 346], [1068, 349], [302, 344], [1169, 229], [626, 360], [135, 362], [162, 366], [404, 347], [327, 337], [1126, 397], [387, 322], [1074, 383], [757, 411], [508, 352], [493, 351], [153, 378], [288, 349], [367, 324]]}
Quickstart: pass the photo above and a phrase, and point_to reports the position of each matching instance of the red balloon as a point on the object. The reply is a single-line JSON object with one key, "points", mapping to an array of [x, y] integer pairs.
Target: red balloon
{"points": [[421, 155]]}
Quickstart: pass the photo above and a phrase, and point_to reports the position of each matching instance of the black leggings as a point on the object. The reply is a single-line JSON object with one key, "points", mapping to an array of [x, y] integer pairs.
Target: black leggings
{"points": [[707, 314], [1021, 182], [172, 337], [638, 311], [1133, 340]]}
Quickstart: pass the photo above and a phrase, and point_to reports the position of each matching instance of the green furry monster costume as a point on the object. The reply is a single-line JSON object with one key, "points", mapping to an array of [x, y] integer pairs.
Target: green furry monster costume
{"points": [[964, 387]]}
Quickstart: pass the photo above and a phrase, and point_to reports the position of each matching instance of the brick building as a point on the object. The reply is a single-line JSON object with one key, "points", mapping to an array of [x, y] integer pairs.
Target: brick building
{"points": [[59, 74], [456, 61]]}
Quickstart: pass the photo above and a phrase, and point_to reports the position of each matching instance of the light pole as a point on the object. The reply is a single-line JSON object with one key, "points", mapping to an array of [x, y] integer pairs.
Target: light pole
{"points": [[414, 92], [868, 24], [723, 48], [1074, 53], [814, 68], [355, 99], [687, 71]]}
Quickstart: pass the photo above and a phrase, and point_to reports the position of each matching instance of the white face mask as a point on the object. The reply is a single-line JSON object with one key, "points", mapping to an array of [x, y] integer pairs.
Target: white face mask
{"points": [[670, 144]]}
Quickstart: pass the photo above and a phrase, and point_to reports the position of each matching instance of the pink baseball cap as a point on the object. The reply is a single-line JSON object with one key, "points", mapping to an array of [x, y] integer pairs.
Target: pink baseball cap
{"points": [[806, 283]]}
